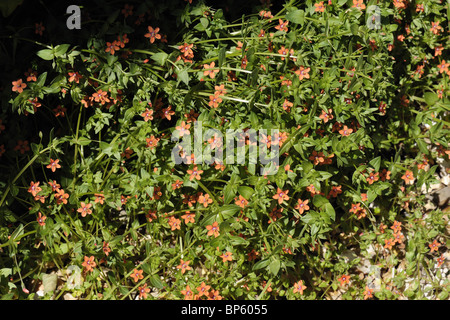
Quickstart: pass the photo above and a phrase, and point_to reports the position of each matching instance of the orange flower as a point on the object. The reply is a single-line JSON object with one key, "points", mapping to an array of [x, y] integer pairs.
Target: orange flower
{"points": [[241, 202], [435, 27], [99, 197], [184, 265], [281, 195], [143, 291], [54, 165], [213, 229], [177, 184], [174, 223], [299, 287], [316, 157], [195, 173], [283, 51], [372, 177], [183, 128], [363, 196], [440, 260], [368, 293], [152, 34], [112, 47], [214, 100], [443, 67], [275, 214], [209, 70], [287, 105], [219, 90], [31, 75], [85, 209], [335, 190], [326, 116], [89, 263], [252, 255], [434, 246], [147, 114], [188, 294], [186, 49], [397, 226], [358, 4], [39, 28], [398, 237], [205, 200], [437, 51], [244, 62], [106, 249], [74, 76], [319, 7], [188, 217], [344, 279], [61, 197], [214, 295], [152, 141], [203, 289], [34, 188], [18, 86], [302, 206], [127, 10], [345, 131], [303, 73], [41, 219], [388, 243], [227, 256], [408, 177], [282, 25], [137, 275], [167, 113]]}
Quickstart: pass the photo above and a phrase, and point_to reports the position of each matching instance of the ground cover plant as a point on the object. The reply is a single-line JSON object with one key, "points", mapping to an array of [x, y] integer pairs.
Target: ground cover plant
{"points": [[354, 94]]}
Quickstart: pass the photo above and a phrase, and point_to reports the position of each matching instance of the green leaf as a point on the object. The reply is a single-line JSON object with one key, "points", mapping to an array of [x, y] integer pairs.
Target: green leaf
{"points": [[430, 98], [183, 75], [261, 264], [274, 267], [246, 192], [156, 282], [375, 163], [160, 57], [320, 201], [227, 211], [61, 49], [46, 54], [329, 209], [297, 16]]}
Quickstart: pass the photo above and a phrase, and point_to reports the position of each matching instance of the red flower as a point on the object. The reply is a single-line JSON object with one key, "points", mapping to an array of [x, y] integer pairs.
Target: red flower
{"points": [[213, 229], [89, 263], [344, 279], [282, 25], [319, 7], [281, 195], [184, 265], [299, 287], [302, 206], [18, 86], [137, 275], [228, 256], [85, 209], [41, 219], [209, 70], [54, 165], [152, 34]]}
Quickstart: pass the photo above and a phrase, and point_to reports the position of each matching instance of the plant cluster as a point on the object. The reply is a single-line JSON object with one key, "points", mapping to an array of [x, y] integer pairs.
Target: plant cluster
{"points": [[90, 193]]}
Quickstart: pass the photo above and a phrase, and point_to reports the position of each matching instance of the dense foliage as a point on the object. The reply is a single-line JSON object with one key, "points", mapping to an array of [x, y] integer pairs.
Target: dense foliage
{"points": [[91, 195]]}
